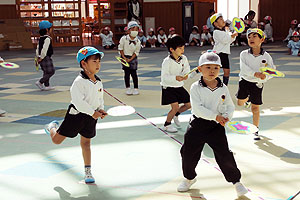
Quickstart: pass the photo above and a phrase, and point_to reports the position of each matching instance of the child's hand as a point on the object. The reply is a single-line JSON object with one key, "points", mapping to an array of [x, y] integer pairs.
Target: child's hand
{"points": [[179, 78], [222, 120], [260, 75], [39, 60], [103, 113], [185, 78], [97, 114], [234, 34]]}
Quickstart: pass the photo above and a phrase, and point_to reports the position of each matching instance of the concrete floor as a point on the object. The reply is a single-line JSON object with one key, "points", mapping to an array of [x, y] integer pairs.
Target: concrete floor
{"points": [[132, 158]]}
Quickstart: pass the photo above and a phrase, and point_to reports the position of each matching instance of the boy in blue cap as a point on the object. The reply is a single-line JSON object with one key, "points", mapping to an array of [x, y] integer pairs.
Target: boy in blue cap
{"points": [[44, 51], [87, 105]]}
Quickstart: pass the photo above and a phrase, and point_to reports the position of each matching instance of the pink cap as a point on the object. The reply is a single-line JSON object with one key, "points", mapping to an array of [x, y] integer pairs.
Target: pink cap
{"points": [[205, 27], [151, 29], [141, 30], [159, 28], [294, 22], [268, 18], [171, 29], [125, 28]]}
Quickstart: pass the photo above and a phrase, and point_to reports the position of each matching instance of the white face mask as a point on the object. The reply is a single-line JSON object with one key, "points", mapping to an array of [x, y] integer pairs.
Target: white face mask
{"points": [[133, 33]]}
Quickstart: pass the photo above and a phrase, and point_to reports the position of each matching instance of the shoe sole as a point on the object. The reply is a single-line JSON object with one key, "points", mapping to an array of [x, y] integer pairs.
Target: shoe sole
{"points": [[89, 181]]}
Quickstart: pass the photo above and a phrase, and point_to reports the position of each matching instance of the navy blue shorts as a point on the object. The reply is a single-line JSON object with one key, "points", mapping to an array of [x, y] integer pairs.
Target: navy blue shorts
{"points": [[172, 95], [250, 89]]}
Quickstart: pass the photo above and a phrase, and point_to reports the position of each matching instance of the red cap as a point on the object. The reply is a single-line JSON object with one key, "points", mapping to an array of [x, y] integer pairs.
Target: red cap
{"points": [[294, 22], [205, 27], [159, 28], [296, 34], [171, 29]]}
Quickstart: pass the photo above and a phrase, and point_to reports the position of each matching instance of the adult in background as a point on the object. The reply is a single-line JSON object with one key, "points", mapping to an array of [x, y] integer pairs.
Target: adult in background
{"points": [[134, 11]]}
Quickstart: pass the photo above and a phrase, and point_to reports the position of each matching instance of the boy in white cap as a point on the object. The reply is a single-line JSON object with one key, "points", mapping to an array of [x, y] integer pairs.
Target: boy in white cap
{"points": [[207, 123], [129, 48], [251, 79], [151, 38], [87, 105], [222, 38]]}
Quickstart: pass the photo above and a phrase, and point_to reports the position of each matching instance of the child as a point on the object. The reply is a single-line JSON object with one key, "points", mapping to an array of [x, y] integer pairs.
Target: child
{"points": [[107, 38], [161, 37], [151, 39], [261, 26], [86, 107], [126, 30], [194, 39], [206, 37], [223, 38], [268, 29], [142, 38], [291, 30], [44, 51], [249, 20], [2, 112], [294, 44], [208, 96], [171, 32], [251, 79], [173, 69], [129, 48]]}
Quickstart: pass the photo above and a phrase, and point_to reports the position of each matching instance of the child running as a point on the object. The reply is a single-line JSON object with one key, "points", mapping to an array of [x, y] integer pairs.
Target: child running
{"points": [[87, 105], [251, 79], [223, 38], [207, 125], [173, 69]]}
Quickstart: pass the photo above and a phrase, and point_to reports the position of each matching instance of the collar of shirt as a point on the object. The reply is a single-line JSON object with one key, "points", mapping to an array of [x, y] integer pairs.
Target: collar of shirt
{"points": [[130, 40], [223, 29], [83, 75], [178, 59], [203, 84], [262, 51]]}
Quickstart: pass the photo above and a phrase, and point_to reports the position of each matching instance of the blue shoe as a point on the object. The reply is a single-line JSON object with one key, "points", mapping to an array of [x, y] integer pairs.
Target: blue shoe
{"points": [[48, 127], [89, 178]]}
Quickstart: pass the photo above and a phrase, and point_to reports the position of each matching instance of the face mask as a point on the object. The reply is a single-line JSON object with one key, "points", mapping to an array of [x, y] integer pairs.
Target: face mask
{"points": [[133, 33]]}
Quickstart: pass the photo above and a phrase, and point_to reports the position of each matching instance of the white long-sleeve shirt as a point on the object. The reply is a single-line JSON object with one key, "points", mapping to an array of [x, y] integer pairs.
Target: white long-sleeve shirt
{"points": [[268, 31], [107, 39], [205, 101], [171, 68], [162, 38], [249, 64], [86, 95], [45, 48], [128, 47], [222, 40]]}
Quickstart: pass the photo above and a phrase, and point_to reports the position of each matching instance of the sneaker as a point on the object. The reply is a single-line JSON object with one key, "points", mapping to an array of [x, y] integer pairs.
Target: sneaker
{"points": [[51, 125], [185, 185], [89, 178], [201, 44], [170, 129], [135, 91], [256, 136], [2, 112], [39, 85], [247, 104], [48, 88], [240, 189], [176, 121], [128, 91], [153, 46]]}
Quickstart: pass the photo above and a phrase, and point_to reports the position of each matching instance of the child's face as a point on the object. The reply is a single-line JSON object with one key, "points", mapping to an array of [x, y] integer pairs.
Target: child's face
{"points": [[179, 51], [209, 71], [141, 34], [150, 33], [161, 32], [220, 22], [172, 32], [254, 40], [205, 31], [105, 32], [194, 32], [92, 65], [295, 39]]}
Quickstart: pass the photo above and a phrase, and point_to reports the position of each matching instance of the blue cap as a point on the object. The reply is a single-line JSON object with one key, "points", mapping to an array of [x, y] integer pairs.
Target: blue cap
{"points": [[45, 24], [87, 51], [132, 24]]}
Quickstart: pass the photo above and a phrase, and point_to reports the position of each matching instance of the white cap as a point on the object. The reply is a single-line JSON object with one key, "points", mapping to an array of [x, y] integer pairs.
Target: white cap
{"points": [[209, 57], [132, 24]]}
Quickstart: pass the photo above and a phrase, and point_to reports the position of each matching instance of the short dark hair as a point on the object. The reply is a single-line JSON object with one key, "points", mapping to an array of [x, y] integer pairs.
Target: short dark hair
{"points": [[98, 56], [174, 42], [256, 34], [43, 32], [211, 11]]}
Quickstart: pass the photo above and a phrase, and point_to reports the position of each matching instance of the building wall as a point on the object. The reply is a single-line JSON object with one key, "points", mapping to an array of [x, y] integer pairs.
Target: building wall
{"points": [[282, 13], [166, 14], [8, 12]]}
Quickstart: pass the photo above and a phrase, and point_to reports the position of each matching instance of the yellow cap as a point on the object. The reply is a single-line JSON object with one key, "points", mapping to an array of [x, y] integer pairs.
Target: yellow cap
{"points": [[214, 17], [256, 30]]}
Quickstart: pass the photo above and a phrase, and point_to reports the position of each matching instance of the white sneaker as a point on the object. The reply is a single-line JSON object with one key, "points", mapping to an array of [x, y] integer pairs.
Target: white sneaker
{"points": [[39, 85], [88, 176], [135, 91], [48, 88], [240, 189], [153, 46], [185, 185], [256, 136], [2, 112], [176, 121], [51, 125], [201, 44], [128, 91], [170, 129]]}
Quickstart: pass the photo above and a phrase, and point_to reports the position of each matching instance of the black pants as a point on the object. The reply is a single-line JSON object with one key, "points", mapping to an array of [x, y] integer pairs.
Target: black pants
{"points": [[133, 74], [48, 69], [199, 132]]}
